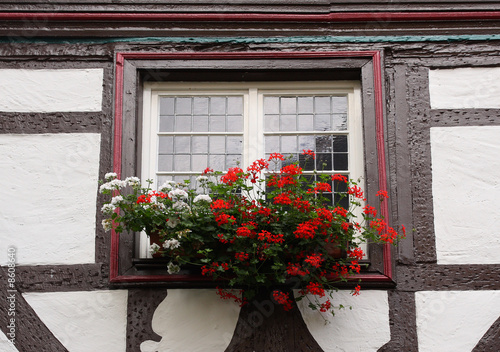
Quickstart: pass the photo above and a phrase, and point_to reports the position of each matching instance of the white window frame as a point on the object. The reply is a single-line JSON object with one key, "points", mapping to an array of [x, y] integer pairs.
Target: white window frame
{"points": [[253, 133]]}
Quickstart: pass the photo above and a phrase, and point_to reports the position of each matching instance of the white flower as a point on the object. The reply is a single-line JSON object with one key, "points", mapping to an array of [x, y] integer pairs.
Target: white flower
{"points": [[153, 248], [116, 199], [112, 185], [110, 175], [202, 197], [108, 208], [133, 181], [167, 185], [172, 222], [172, 268], [171, 244], [180, 205], [202, 179], [178, 194], [107, 224]]}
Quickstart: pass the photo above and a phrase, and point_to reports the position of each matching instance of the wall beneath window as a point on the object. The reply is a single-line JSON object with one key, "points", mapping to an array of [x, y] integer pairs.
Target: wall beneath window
{"points": [[442, 130]]}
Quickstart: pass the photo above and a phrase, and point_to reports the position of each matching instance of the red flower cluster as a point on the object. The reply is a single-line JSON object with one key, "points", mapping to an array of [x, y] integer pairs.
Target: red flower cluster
{"points": [[283, 299], [296, 270], [241, 256], [269, 237], [232, 175], [211, 269], [314, 260]]}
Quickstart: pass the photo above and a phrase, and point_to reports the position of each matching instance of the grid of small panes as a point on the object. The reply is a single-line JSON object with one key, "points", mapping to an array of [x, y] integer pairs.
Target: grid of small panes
{"points": [[319, 123], [196, 132]]}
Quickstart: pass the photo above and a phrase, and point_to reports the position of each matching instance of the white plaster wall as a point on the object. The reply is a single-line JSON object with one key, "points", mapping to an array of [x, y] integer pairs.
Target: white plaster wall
{"points": [[454, 320], [466, 194], [462, 88], [5, 344], [351, 330], [201, 313], [84, 321], [49, 192], [49, 90], [194, 320]]}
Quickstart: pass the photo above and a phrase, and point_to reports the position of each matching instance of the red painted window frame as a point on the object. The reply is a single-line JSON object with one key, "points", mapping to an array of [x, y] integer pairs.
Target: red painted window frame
{"points": [[381, 278]]}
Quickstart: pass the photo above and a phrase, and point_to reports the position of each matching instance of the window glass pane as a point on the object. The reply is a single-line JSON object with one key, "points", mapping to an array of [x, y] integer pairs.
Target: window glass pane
{"points": [[165, 162], [217, 162], [288, 105], [322, 123], [182, 124], [167, 105], [271, 105], [306, 142], [183, 106], [324, 144], [340, 161], [200, 123], [166, 145], [322, 105], [288, 123], [218, 105], [182, 162], [339, 105], [199, 162], [305, 105], [339, 122], [324, 162], [235, 144], [305, 122], [182, 145], [272, 123], [167, 123], [235, 123], [272, 144], [217, 123], [200, 106], [288, 144], [233, 160], [200, 144], [235, 105], [340, 144], [217, 144]]}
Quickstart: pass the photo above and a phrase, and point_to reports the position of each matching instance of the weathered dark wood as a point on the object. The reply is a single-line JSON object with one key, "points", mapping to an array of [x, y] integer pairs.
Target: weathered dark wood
{"points": [[141, 305], [265, 326], [490, 340]]}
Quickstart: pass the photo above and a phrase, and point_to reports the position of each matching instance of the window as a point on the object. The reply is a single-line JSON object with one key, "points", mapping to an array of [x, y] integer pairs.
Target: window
{"points": [[188, 127], [169, 124]]}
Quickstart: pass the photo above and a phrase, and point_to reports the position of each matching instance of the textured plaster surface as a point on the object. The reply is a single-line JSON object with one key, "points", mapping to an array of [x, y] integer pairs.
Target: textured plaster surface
{"points": [[49, 191], [463, 88], [342, 332], [193, 320], [50, 90], [84, 321], [454, 320], [466, 194], [6, 345]]}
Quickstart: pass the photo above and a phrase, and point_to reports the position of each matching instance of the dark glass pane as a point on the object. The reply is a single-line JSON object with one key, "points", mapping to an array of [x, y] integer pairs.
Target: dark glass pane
{"points": [[306, 162], [324, 144], [340, 144], [340, 162], [339, 186], [343, 200], [323, 161]]}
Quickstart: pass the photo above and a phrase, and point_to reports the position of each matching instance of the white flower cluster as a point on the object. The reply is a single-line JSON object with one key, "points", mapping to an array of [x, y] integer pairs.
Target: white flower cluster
{"points": [[202, 197], [171, 244], [172, 268], [178, 194], [107, 224], [167, 185], [133, 181], [112, 185], [153, 248]]}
